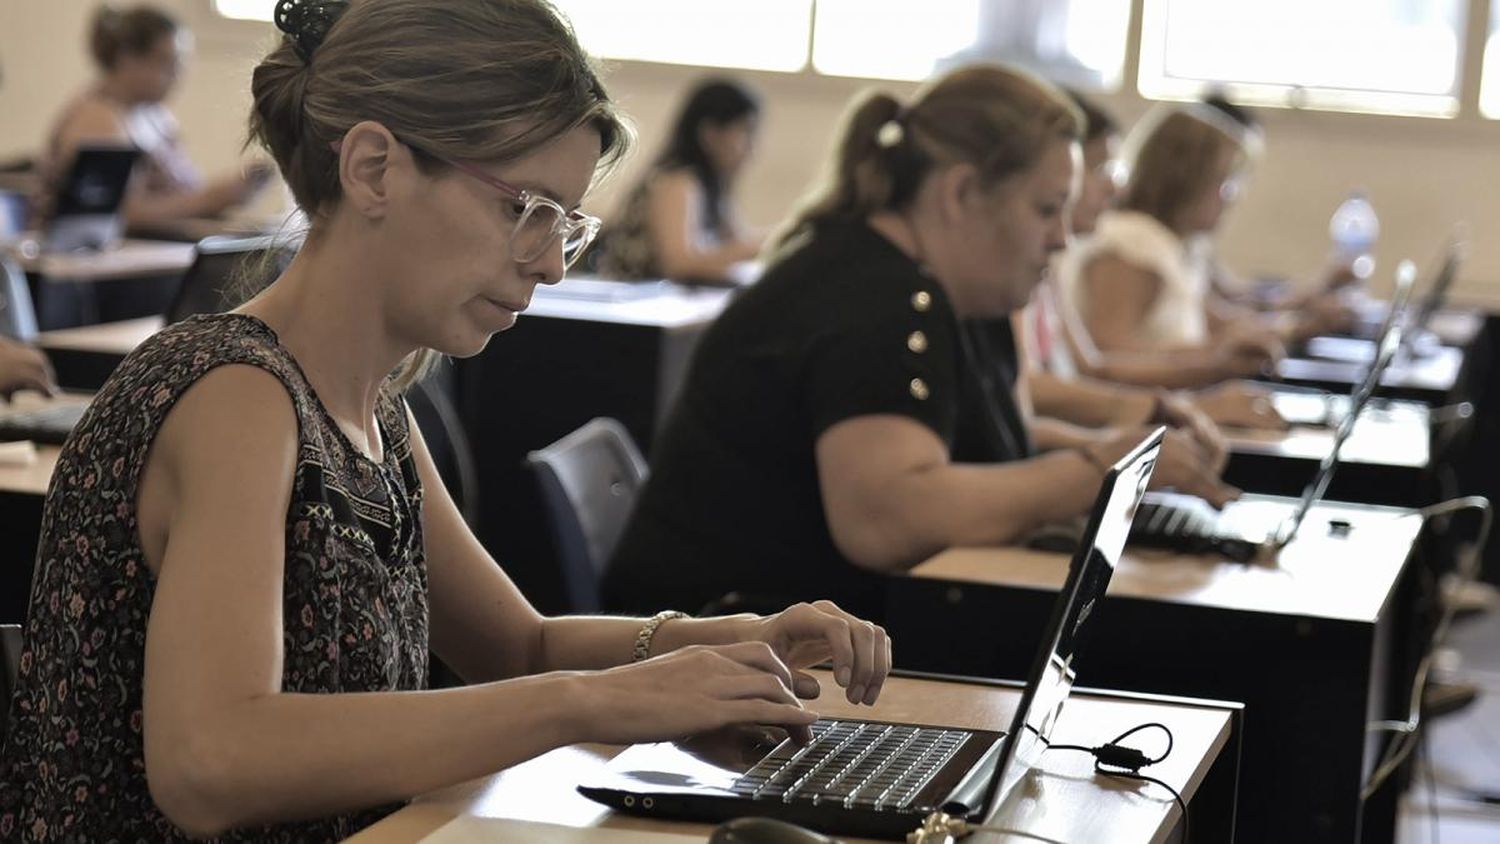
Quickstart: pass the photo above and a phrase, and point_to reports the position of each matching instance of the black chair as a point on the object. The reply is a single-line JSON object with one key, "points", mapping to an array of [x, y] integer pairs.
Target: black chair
{"points": [[446, 441], [589, 480], [10, 653]]}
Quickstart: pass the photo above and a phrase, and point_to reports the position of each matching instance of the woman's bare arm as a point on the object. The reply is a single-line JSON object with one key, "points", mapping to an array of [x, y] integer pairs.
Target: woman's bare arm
{"points": [[226, 747], [675, 200]]}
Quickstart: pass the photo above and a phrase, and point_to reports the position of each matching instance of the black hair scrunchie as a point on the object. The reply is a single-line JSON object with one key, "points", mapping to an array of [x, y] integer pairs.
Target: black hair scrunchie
{"points": [[308, 22]]}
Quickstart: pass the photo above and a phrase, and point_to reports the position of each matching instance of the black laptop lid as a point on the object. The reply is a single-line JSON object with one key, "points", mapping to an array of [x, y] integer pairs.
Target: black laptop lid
{"points": [[224, 267], [1437, 295], [1053, 675], [1386, 346], [96, 182]]}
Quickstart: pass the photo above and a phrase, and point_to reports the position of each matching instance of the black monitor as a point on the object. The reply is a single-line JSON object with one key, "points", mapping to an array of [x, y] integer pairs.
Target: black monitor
{"points": [[1054, 672]]}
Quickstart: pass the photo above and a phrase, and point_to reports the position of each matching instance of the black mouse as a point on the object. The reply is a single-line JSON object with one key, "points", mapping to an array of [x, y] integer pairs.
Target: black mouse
{"points": [[765, 831]]}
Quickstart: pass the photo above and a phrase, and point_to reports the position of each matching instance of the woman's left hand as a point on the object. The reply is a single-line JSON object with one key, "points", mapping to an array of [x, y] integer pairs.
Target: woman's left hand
{"points": [[804, 635]]}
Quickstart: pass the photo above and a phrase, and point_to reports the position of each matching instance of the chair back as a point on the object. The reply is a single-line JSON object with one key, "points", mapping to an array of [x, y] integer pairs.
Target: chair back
{"points": [[589, 481], [447, 442], [10, 653]]}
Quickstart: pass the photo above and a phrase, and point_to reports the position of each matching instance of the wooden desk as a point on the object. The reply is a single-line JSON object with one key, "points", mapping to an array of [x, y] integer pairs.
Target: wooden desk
{"points": [[1430, 379], [1313, 646], [536, 801], [136, 279], [84, 357], [566, 361], [1385, 460], [131, 259]]}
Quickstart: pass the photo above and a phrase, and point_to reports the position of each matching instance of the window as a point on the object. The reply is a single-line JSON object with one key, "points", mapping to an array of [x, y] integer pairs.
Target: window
{"points": [[1081, 42], [246, 10], [763, 35], [1489, 81], [1389, 56]]}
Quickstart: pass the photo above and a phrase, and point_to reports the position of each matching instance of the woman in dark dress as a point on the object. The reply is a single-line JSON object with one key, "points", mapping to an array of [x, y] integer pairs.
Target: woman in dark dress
{"points": [[843, 417], [246, 551], [681, 220]]}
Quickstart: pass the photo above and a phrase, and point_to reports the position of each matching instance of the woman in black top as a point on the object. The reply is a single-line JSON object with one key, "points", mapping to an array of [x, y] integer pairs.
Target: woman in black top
{"points": [[835, 423]]}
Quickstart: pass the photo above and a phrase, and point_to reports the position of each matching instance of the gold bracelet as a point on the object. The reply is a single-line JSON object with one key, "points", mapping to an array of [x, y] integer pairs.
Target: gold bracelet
{"points": [[648, 632]]}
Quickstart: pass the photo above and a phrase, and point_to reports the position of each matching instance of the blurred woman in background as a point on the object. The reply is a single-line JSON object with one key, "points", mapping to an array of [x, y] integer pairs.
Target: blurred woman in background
{"points": [[139, 53], [680, 220]]}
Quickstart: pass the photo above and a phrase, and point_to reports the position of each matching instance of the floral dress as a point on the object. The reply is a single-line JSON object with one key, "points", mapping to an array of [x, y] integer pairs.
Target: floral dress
{"points": [[354, 602]]}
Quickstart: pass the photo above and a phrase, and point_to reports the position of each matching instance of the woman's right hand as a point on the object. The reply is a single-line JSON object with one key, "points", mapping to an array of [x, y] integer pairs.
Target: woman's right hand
{"points": [[1247, 349], [1183, 465], [1240, 404], [692, 690], [23, 367]]}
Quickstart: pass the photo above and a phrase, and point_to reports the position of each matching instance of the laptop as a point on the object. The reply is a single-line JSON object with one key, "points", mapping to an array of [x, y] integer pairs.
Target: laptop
{"points": [[209, 286], [878, 779], [1318, 408], [1419, 339], [87, 215], [1187, 523]]}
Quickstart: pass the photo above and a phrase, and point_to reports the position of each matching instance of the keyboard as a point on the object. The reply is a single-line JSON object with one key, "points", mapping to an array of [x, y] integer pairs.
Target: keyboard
{"points": [[856, 764], [1176, 527], [50, 424]]}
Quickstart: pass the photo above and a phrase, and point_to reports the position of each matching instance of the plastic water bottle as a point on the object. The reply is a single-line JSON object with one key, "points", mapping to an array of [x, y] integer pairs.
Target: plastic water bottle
{"points": [[1354, 229]]}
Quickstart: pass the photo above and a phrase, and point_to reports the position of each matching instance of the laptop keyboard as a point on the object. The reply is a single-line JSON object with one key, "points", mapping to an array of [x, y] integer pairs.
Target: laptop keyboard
{"points": [[51, 423], [856, 764], [1162, 524]]}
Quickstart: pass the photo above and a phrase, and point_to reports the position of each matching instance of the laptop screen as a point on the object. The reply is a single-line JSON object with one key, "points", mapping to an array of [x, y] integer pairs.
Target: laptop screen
{"points": [[1053, 675], [1453, 258], [96, 182], [1386, 346]]}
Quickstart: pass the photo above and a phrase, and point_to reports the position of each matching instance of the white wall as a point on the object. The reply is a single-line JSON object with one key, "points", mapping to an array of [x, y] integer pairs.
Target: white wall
{"points": [[1422, 174]]}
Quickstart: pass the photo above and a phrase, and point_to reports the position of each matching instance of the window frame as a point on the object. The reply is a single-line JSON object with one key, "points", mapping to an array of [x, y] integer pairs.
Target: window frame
{"points": [[1132, 80]]}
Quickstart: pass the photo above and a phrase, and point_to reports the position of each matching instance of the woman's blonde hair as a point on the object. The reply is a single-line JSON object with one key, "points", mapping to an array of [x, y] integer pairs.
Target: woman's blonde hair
{"points": [[478, 80], [997, 118], [1175, 154]]}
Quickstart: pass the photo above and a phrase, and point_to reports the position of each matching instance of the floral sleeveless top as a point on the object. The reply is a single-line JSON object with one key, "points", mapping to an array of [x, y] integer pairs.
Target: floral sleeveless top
{"points": [[354, 603]]}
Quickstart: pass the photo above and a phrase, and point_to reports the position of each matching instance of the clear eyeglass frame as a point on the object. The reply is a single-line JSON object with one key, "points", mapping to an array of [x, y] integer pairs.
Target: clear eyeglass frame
{"points": [[540, 220]]}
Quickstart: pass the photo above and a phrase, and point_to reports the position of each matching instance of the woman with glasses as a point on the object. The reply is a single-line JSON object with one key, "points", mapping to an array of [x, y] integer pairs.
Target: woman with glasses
{"points": [[247, 553], [680, 221], [841, 420], [139, 52]]}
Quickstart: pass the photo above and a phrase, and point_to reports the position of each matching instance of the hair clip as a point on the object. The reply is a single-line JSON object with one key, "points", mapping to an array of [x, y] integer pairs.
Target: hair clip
{"points": [[308, 22], [890, 134]]}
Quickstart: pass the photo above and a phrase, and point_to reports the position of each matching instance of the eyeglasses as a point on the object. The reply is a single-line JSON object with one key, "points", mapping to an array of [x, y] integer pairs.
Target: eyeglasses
{"points": [[539, 220]]}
